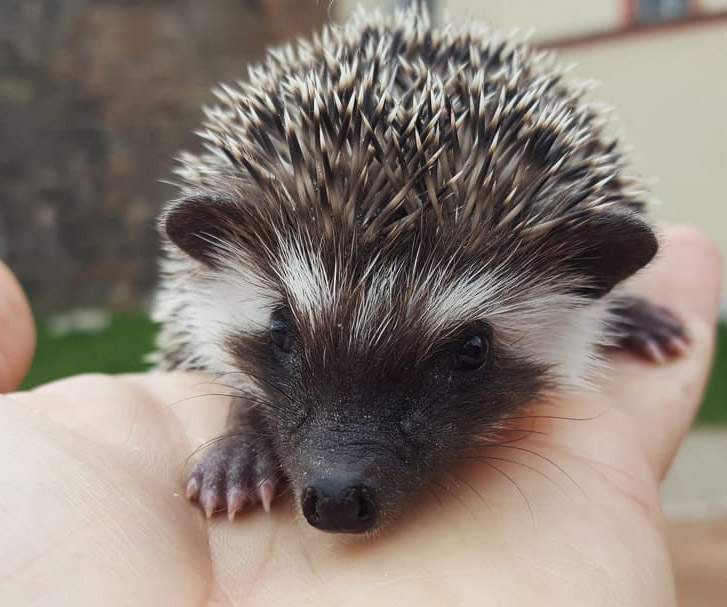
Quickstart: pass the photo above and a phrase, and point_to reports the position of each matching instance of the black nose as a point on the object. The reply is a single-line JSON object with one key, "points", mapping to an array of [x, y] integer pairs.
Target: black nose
{"points": [[339, 509]]}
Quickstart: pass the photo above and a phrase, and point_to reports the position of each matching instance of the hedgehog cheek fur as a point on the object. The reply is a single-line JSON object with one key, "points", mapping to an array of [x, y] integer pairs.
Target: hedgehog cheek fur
{"points": [[385, 423]]}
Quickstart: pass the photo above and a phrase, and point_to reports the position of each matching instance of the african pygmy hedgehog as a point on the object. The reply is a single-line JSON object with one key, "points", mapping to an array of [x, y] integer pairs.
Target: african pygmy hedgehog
{"points": [[397, 236]]}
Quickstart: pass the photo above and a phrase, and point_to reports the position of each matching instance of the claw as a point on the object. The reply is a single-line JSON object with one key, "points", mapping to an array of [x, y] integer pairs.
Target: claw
{"points": [[209, 502], [649, 331], [192, 489], [677, 346], [235, 502], [232, 476], [654, 352], [266, 491]]}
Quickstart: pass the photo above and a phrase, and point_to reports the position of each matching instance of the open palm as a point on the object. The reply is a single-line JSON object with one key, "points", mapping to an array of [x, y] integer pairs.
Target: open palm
{"points": [[92, 510]]}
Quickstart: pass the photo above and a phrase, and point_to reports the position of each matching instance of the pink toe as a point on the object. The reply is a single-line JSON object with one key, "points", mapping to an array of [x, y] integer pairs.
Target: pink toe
{"points": [[677, 346], [654, 352], [209, 502], [235, 502], [266, 491], [192, 489]]}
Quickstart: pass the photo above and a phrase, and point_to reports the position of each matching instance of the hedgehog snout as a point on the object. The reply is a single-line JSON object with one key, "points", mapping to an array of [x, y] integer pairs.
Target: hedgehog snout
{"points": [[339, 504]]}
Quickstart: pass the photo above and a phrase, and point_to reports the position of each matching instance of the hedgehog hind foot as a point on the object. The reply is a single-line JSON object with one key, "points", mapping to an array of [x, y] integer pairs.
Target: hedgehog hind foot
{"points": [[647, 330], [235, 472]]}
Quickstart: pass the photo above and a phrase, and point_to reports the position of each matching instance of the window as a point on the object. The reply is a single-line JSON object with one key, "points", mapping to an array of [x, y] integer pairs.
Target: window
{"points": [[651, 11], [428, 3]]}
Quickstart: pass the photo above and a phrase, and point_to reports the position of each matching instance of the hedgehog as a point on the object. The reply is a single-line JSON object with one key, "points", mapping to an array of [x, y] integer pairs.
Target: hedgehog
{"points": [[397, 238]]}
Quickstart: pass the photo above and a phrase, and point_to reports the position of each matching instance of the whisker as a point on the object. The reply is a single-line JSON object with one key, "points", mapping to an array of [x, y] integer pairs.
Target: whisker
{"points": [[471, 487], [544, 458], [522, 435], [436, 496], [260, 380], [255, 404], [554, 417], [455, 496], [517, 463], [517, 487], [223, 437], [186, 398]]}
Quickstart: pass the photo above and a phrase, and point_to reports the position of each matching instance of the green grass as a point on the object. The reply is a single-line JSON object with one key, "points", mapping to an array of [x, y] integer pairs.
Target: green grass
{"points": [[121, 348], [714, 407]]}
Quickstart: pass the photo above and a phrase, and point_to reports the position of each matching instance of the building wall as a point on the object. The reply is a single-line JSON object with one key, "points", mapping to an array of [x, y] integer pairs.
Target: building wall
{"points": [[96, 97], [547, 19], [713, 5], [343, 8], [669, 90], [550, 19]]}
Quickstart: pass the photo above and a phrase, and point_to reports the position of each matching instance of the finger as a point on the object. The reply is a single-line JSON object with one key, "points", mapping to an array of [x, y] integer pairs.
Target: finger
{"points": [[78, 495], [17, 333], [664, 399], [200, 408]]}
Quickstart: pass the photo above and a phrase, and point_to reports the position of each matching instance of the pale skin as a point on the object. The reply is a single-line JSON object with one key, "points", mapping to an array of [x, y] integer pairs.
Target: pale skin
{"points": [[92, 508]]}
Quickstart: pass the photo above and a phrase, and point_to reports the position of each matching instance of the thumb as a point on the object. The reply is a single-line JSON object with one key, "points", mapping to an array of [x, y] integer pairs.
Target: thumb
{"points": [[664, 399], [17, 332]]}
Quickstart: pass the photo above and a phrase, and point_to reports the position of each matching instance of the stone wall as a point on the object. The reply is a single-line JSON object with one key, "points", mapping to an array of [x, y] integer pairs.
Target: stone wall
{"points": [[96, 97]]}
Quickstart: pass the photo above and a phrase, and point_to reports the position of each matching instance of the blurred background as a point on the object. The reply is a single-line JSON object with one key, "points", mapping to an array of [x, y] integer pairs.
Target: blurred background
{"points": [[97, 96]]}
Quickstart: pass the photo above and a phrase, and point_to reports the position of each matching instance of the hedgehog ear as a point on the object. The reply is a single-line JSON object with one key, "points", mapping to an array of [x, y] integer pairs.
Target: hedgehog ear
{"points": [[199, 224], [615, 247]]}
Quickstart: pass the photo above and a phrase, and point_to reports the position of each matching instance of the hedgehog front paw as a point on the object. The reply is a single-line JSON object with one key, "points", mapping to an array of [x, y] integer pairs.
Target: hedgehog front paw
{"points": [[647, 330], [233, 473]]}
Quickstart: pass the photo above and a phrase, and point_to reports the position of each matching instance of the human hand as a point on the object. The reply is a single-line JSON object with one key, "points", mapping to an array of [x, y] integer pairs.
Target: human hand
{"points": [[92, 511]]}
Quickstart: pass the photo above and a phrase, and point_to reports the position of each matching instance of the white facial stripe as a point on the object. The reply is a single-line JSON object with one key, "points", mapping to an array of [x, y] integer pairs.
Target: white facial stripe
{"points": [[213, 306], [555, 329], [469, 298], [558, 330], [304, 277], [373, 318]]}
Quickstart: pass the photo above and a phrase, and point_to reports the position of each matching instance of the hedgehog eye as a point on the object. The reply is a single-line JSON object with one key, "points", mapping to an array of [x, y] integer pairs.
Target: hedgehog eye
{"points": [[280, 334], [472, 353]]}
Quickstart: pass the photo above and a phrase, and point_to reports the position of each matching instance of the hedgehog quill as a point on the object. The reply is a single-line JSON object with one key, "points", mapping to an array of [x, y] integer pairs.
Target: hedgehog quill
{"points": [[396, 237]]}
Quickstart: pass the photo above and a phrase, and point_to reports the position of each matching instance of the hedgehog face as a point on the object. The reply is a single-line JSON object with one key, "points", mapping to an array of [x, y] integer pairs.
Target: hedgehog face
{"points": [[371, 423], [384, 370], [382, 365]]}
